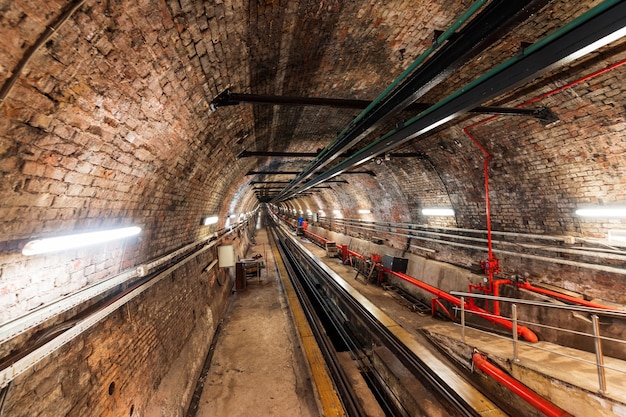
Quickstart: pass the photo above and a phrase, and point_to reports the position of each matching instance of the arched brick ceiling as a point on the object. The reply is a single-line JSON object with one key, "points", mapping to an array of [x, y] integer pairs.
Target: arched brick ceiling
{"points": [[109, 123]]}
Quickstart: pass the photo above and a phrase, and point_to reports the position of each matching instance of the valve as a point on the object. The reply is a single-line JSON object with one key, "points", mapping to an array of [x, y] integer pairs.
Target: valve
{"points": [[491, 266]]}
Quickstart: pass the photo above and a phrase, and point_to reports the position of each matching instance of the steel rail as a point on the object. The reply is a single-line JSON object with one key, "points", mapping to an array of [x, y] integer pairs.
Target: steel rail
{"points": [[348, 335], [391, 342], [340, 379]]}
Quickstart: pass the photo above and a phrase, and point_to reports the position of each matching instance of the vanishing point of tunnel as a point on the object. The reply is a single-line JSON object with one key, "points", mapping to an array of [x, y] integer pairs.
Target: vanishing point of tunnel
{"points": [[458, 166]]}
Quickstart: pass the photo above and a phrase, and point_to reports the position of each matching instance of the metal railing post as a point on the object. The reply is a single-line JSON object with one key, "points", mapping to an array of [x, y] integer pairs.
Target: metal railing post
{"points": [[514, 319], [463, 319], [599, 357]]}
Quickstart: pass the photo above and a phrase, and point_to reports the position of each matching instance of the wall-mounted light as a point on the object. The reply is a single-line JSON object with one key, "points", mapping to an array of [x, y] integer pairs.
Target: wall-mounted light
{"points": [[437, 212], [337, 212], [602, 212], [364, 211], [56, 244], [210, 220]]}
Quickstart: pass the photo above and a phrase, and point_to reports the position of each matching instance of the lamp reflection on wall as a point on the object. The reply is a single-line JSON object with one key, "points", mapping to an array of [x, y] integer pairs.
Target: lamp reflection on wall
{"points": [[79, 240], [437, 212], [602, 212]]}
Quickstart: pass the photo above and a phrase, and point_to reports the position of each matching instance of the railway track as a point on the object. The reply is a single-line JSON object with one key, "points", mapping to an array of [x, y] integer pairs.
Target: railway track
{"points": [[342, 322]]}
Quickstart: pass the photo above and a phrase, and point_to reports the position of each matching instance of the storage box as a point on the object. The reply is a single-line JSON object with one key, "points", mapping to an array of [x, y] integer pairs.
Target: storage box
{"points": [[395, 264]]}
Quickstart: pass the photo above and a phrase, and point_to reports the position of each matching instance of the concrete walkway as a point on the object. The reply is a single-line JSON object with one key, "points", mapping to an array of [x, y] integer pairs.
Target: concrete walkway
{"points": [[257, 367]]}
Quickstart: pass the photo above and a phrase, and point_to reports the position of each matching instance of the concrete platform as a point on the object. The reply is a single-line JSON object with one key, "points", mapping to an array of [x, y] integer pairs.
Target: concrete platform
{"points": [[258, 368], [551, 370]]}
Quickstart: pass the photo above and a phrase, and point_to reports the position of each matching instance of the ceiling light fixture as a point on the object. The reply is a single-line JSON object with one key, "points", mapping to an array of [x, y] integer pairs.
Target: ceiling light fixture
{"points": [[364, 211], [56, 244]]}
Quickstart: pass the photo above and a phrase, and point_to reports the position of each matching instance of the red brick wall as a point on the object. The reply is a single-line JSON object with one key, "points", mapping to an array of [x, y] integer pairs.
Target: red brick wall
{"points": [[118, 365]]}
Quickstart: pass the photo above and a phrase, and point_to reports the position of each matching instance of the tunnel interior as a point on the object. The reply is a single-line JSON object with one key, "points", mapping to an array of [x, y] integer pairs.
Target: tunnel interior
{"points": [[486, 136]]}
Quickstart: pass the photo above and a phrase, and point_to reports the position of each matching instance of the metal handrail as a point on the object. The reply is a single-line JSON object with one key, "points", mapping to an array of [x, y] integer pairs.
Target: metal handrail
{"points": [[580, 309], [595, 313]]}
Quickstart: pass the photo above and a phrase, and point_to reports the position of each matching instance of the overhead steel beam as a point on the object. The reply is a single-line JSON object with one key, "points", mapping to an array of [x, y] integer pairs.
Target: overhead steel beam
{"points": [[596, 28], [287, 182], [249, 154], [370, 173], [492, 22], [228, 98], [319, 187]]}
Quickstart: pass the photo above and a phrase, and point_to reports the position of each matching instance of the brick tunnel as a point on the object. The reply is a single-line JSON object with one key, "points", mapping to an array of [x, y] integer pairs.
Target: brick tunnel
{"points": [[181, 118]]}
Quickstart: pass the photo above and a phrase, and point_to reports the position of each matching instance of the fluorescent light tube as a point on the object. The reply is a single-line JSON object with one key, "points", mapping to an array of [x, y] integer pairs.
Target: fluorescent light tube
{"points": [[602, 212], [210, 220], [60, 243]]}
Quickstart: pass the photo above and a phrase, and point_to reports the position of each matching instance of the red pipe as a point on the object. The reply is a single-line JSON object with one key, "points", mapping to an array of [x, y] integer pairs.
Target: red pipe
{"points": [[568, 298], [491, 265], [517, 388], [522, 331], [496, 293], [321, 239]]}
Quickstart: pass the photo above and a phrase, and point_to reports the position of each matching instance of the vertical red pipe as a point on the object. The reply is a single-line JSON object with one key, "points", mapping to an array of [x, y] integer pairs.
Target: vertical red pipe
{"points": [[496, 293], [491, 266]]}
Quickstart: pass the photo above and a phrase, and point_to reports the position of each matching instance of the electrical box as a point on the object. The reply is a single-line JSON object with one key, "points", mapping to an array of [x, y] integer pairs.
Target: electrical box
{"points": [[395, 264], [226, 256]]}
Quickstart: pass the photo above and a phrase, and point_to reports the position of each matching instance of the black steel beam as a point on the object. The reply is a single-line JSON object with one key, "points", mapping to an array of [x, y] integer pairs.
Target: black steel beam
{"points": [[492, 22], [228, 98], [249, 154], [280, 188], [272, 172], [287, 182], [598, 27], [370, 173]]}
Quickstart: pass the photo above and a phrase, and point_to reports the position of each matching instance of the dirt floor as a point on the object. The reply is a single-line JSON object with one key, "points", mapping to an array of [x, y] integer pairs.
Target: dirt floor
{"points": [[257, 368]]}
